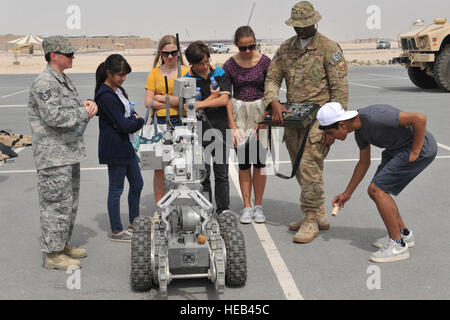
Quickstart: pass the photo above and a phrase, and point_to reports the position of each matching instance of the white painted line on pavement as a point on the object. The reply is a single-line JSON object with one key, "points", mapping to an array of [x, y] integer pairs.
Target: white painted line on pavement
{"points": [[34, 171], [13, 106], [15, 93], [443, 146], [290, 290], [364, 85], [269, 161], [387, 76]]}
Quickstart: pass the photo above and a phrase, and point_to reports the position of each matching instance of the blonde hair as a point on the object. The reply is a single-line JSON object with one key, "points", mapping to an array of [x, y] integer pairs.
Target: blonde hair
{"points": [[164, 41]]}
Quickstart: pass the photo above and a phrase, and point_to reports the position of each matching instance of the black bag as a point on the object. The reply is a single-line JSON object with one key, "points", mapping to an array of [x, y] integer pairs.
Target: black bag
{"points": [[8, 151]]}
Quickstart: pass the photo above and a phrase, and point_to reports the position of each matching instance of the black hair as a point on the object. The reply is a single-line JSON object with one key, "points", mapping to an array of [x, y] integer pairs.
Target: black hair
{"points": [[196, 52], [330, 126], [47, 56], [115, 63], [242, 32]]}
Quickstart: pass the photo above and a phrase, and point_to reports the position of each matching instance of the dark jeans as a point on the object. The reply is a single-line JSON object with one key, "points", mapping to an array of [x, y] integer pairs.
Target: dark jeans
{"points": [[117, 176], [221, 184]]}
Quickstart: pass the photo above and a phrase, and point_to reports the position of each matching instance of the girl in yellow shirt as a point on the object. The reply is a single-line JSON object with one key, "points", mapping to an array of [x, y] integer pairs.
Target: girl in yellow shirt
{"points": [[155, 89]]}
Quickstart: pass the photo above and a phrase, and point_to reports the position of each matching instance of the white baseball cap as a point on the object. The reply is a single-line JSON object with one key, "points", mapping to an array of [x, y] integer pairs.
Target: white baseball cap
{"points": [[333, 112]]}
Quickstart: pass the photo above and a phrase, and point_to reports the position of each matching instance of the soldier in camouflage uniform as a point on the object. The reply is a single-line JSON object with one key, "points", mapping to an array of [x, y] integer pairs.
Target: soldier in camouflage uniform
{"points": [[55, 111], [315, 71]]}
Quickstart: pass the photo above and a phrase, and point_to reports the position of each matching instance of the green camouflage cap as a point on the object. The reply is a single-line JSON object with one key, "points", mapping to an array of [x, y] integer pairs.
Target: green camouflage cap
{"points": [[303, 15], [57, 44]]}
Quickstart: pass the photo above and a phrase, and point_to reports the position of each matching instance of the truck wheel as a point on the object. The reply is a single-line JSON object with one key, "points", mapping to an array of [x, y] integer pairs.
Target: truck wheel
{"points": [[442, 70], [236, 267], [421, 79], [141, 271]]}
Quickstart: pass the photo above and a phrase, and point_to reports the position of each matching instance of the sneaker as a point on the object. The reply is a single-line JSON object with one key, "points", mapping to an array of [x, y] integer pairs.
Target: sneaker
{"points": [[391, 251], [124, 236], [247, 215], [130, 228], [258, 214], [409, 240]]}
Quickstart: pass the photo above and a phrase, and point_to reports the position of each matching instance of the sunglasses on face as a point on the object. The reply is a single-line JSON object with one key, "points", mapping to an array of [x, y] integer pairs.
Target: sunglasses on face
{"points": [[245, 48], [68, 55], [173, 53]]}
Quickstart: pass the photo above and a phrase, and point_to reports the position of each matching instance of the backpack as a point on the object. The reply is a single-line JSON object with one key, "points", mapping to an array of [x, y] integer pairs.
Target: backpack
{"points": [[12, 140]]}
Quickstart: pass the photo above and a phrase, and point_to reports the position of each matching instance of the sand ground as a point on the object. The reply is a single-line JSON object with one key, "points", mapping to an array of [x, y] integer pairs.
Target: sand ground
{"points": [[141, 60]]}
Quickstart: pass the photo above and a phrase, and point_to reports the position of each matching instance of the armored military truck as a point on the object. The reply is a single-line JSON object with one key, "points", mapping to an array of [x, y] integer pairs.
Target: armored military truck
{"points": [[426, 55]]}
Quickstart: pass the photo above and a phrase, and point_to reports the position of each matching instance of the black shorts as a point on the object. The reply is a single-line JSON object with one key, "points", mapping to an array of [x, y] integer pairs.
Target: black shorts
{"points": [[251, 153]]}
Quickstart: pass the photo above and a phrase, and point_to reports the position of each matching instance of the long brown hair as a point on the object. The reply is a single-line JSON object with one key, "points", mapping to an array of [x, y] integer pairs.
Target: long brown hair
{"points": [[167, 39]]}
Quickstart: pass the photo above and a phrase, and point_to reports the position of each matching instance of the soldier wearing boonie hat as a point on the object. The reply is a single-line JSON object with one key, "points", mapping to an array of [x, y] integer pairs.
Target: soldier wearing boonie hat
{"points": [[315, 71], [303, 15], [55, 111]]}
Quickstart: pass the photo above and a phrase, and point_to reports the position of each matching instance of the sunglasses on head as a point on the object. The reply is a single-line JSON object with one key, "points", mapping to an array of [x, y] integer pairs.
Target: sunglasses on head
{"points": [[250, 47], [173, 53], [68, 55]]}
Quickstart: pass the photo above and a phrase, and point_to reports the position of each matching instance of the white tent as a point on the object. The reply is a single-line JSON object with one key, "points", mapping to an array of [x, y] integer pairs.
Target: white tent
{"points": [[28, 39]]}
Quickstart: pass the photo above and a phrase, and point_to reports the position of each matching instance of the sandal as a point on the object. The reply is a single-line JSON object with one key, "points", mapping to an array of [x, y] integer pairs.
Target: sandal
{"points": [[124, 236]]}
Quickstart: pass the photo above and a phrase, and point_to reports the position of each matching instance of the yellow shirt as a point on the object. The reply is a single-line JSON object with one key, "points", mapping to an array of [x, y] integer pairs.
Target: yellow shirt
{"points": [[155, 82]]}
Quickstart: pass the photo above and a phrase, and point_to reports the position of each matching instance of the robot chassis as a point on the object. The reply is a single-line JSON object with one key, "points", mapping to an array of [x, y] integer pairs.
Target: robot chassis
{"points": [[184, 240]]}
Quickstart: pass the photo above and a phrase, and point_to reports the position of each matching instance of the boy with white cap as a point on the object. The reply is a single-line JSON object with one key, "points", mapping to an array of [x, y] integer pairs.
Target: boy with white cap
{"points": [[409, 149]]}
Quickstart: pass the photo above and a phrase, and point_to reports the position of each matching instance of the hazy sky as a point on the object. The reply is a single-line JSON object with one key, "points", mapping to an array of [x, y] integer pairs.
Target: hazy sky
{"points": [[212, 19]]}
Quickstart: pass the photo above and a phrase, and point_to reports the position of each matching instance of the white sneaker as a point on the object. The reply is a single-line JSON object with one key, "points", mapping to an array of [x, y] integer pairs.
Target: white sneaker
{"points": [[409, 240], [247, 215], [391, 251], [258, 214]]}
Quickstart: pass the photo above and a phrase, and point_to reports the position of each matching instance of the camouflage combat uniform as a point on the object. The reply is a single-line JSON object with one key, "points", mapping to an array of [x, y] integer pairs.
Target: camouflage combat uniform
{"points": [[314, 74], [55, 110]]}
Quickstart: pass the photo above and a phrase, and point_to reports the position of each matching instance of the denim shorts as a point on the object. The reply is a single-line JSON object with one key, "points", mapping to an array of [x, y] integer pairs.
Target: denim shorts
{"points": [[395, 171], [174, 120]]}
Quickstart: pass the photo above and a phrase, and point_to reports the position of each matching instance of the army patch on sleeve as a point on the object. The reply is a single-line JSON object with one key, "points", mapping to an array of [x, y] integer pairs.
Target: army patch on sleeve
{"points": [[336, 57], [342, 65], [45, 95]]}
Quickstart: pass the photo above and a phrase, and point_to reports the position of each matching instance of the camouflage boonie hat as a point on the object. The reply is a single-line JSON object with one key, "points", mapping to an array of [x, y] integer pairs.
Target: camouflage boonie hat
{"points": [[57, 44], [303, 15]]}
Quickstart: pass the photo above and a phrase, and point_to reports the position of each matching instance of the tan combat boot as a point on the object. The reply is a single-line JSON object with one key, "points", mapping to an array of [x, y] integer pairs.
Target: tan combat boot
{"points": [[308, 231], [322, 221], [58, 260], [76, 253]]}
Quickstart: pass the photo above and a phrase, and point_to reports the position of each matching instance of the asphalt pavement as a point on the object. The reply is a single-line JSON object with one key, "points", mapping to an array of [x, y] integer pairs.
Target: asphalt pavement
{"points": [[334, 266]]}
